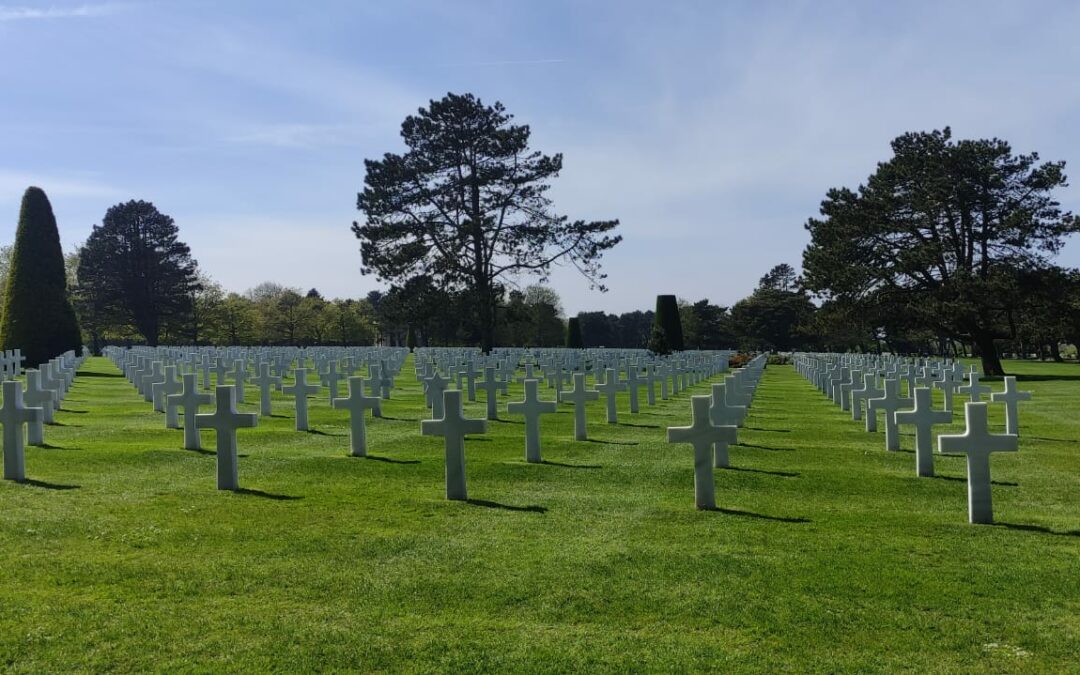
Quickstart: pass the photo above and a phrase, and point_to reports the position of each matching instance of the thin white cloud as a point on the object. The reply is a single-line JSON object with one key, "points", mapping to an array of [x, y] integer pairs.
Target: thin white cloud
{"points": [[14, 183], [13, 13], [298, 136]]}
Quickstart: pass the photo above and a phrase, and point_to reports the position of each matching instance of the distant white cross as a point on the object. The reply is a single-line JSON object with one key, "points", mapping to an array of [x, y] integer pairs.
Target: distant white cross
{"points": [[301, 389], [453, 427], [13, 415], [356, 403], [1010, 397], [978, 443], [266, 382], [610, 390], [924, 417], [579, 396], [491, 386], [973, 388], [189, 398], [532, 408], [703, 435], [225, 420], [890, 402]]}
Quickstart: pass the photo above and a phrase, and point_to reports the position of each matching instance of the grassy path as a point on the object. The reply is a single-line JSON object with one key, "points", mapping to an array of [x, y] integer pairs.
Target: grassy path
{"points": [[827, 553]]}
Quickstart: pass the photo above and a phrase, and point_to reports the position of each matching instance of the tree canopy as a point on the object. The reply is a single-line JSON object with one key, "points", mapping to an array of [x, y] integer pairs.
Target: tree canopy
{"points": [[939, 237], [136, 271], [467, 206]]}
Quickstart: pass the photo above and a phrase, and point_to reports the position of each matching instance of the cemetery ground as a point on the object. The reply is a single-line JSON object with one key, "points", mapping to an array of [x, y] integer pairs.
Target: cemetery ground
{"points": [[826, 552]]}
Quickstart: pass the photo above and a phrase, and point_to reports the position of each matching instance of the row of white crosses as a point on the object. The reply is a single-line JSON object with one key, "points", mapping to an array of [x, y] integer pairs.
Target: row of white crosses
{"points": [[448, 419], [715, 420], [838, 375], [24, 413]]}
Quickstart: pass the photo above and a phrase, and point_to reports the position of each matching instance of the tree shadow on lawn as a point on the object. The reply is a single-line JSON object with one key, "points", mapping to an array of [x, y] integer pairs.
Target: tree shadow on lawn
{"points": [[49, 486], [761, 516], [204, 451], [389, 460], [1041, 378], [603, 442], [571, 466], [1038, 528], [962, 479], [506, 507], [785, 474], [265, 495], [763, 447]]}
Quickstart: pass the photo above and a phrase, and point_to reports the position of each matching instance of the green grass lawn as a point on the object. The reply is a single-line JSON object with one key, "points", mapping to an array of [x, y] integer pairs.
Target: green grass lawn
{"points": [[826, 554]]}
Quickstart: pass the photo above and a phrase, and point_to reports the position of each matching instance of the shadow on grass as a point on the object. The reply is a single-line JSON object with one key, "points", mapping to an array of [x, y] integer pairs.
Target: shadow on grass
{"points": [[775, 431], [962, 479], [1038, 528], [76, 412], [603, 442], [49, 446], [49, 486], [266, 495], [505, 507], [320, 432], [640, 426], [389, 460], [761, 516], [63, 424], [92, 373], [1051, 440], [1020, 379], [571, 466], [785, 474], [397, 419], [764, 447], [507, 421], [204, 451]]}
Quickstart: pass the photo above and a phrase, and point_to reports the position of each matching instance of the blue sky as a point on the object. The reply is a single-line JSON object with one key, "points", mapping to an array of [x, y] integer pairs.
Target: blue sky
{"points": [[712, 130]]}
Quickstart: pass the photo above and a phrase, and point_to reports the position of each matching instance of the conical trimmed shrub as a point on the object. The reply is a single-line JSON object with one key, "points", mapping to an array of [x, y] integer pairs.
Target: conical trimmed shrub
{"points": [[668, 321], [573, 333], [38, 317]]}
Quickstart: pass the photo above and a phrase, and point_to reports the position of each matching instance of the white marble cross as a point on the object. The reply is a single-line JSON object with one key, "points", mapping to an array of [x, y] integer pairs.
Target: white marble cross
{"points": [[579, 395], [189, 398], [633, 381], [610, 389], [532, 408], [239, 375], [703, 435], [722, 413], [1010, 397], [453, 427], [977, 443], [868, 391], [301, 389], [169, 385], [225, 420], [491, 386], [434, 387], [265, 382], [973, 389], [356, 403], [924, 417], [948, 386], [890, 402], [13, 415], [330, 379], [37, 396]]}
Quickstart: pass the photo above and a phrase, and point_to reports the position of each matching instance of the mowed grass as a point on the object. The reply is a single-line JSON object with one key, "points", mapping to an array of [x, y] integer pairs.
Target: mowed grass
{"points": [[826, 554]]}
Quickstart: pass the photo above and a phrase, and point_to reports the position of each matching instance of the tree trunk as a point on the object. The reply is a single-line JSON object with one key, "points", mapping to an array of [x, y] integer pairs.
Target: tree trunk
{"points": [[991, 364], [1055, 351]]}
